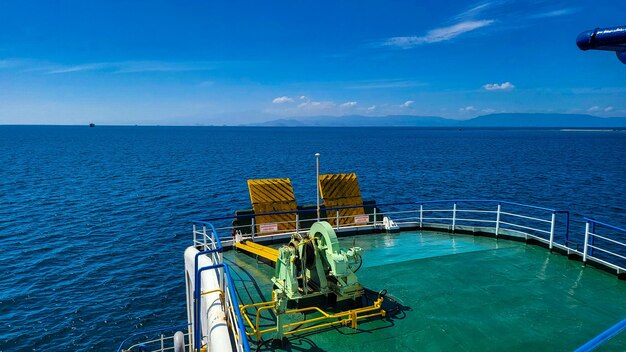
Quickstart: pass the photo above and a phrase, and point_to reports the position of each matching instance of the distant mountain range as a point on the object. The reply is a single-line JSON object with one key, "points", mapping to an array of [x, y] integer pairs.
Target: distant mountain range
{"points": [[492, 120]]}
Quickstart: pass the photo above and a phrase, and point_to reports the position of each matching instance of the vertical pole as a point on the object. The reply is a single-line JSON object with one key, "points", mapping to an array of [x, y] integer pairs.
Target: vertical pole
{"points": [[317, 184], [586, 242], [498, 219], [253, 228], [421, 214], [552, 229], [162, 343], [592, 238], [337, 219], [374, 215], [194, 235], [453, 216], [297, 222]]}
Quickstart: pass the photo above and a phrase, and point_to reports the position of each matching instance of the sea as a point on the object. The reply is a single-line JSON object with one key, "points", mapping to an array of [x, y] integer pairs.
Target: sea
{"points": [[94, 221]]}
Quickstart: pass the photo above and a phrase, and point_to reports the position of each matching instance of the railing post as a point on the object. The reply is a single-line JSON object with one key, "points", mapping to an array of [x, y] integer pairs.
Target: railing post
{"points": [[374, 215], [586, 242], [498, 219], [592, 238], [297, 223], [337, 224], [162, 343], [194, 235], [421, 214], [204, 236], [253, 228], [552, 229], [454, 217]]}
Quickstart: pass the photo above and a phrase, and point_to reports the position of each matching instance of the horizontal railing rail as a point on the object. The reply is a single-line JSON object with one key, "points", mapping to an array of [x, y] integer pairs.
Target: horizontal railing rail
{"points": [[534, 221]]}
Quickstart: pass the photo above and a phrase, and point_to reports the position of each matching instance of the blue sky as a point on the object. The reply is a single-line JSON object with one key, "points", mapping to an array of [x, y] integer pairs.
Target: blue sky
{"points": [[209, 62]]}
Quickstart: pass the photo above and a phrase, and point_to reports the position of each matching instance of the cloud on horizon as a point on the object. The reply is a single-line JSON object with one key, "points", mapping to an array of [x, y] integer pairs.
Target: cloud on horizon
{"points": [[506, 86], [348, 104], [282, 100]]}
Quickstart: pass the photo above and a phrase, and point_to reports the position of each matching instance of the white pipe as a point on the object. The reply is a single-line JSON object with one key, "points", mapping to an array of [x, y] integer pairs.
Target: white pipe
{"points": [[212, 318]]}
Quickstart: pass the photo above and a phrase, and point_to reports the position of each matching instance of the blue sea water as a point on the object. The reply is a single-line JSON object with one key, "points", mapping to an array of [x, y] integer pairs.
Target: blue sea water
{"points": [[93, 221]]}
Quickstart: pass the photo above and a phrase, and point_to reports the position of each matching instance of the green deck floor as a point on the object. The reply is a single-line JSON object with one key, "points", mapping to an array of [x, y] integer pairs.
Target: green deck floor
{"points": [[462, 293]]}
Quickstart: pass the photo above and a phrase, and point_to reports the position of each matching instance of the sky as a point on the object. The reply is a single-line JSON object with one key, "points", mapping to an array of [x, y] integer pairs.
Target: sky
{"points": [[212, 62]]}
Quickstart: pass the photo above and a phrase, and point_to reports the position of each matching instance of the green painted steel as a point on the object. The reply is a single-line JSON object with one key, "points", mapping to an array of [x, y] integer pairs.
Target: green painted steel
{"points": [[460, 292]]}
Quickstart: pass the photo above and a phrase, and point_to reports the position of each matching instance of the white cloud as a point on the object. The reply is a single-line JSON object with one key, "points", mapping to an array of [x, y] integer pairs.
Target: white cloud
{"points": [[469, 108], [348, 104], [473, 12], [608, 109], [407, 104], [488, 111], [303, 97], [594, 109], [79, 68], [554, 13], [437, 34], [496, 86], [134, 67], [282, 100], [371, 108]]}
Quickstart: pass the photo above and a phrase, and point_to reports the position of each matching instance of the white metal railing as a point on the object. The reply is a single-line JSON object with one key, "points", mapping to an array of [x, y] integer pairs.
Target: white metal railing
{"points": [[158, 340], [498, 217], [608, 247]]}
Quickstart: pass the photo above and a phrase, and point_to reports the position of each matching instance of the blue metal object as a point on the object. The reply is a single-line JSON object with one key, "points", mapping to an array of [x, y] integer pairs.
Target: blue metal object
{"points": [[235, 302], [610, 39], [605, 224], [603, 337]]}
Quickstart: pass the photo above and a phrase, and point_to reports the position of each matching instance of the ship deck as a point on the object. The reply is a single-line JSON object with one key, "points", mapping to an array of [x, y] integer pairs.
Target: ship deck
{"points": [[459, 292]]}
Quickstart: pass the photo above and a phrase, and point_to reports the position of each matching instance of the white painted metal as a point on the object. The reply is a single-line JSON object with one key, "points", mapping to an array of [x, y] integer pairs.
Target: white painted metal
{"points": [[525, 217], [586, 242], [421, 214], [499, 211], [215, 331], [552, 230], [179, 342], [453, 217], [374, 215], [297, 223]]}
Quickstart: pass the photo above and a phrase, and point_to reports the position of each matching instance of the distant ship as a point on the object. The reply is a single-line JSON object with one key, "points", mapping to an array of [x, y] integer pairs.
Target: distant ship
{"points": [[92, 125]]}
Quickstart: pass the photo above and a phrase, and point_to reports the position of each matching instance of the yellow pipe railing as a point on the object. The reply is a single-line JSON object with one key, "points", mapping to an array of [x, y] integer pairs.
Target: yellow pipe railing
{"points": [[346, 317]]}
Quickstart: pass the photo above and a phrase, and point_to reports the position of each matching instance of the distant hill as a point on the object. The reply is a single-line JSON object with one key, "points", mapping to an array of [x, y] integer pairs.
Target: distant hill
{"points": [[546, 121], [361, 121], [492, 120]]}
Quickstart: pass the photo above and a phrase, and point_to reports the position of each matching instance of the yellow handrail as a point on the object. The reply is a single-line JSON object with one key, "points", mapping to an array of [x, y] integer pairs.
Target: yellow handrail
{"points": [[346, 317]]}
